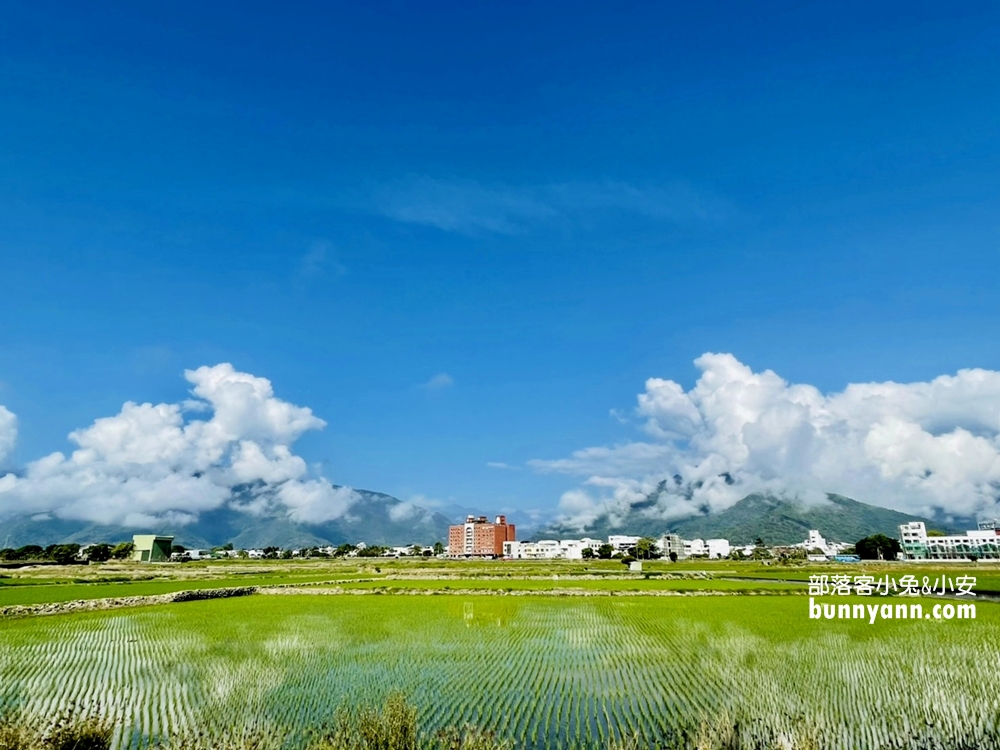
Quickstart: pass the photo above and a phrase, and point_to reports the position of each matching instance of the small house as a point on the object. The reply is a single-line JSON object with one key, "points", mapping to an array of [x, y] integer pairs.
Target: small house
{"points": [[151, 548]]}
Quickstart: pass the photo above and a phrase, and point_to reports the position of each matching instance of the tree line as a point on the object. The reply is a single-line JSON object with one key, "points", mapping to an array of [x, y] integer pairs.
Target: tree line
{"points": [[66, 554]]}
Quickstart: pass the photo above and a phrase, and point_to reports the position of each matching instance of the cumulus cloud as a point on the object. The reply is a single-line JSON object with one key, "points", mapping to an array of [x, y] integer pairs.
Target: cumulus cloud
{"points": [[160, 463], [411, 512], [925, 448], [8, 433]]}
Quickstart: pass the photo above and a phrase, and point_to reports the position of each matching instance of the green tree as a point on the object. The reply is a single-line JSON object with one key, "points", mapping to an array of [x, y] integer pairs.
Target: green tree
{"points": [[760, 550], [877, 547], [673, 557], [587, 553], [646, 549], [605, 551], [64, 554], [438, 548], [99, 552], [122, 550]]}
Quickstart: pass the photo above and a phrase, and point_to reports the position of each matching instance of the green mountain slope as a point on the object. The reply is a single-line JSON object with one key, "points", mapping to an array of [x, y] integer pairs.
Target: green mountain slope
{"points": [[376, 518], [778, 521], [774, 520]]}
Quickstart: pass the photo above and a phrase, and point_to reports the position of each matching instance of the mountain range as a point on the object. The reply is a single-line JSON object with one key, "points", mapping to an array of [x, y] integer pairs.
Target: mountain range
{"points": [[378, 518], [775, 520]]}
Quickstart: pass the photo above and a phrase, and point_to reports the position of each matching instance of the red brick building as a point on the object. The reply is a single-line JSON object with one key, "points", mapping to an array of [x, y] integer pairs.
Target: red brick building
{"points": [[477, 537]]}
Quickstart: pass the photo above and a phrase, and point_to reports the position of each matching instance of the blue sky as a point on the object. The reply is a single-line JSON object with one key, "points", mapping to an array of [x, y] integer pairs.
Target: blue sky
{"points": [[463, 233]]}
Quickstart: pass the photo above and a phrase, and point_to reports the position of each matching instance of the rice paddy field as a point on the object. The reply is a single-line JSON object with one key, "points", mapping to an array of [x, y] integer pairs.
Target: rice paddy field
{"points": [[548, 672]]}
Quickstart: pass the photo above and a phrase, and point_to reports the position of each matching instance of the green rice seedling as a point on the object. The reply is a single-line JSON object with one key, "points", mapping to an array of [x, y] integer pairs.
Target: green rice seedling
{"points": [[226, 739], [468, 738], [541, 672]]}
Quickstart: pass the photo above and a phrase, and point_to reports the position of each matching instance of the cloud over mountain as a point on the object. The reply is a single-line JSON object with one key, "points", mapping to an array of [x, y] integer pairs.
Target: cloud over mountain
{"points": [[916, 447], [165, 463]]}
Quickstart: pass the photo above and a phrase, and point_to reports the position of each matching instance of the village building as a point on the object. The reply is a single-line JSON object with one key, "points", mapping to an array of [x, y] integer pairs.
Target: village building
{"points": [[477, 537], [151, 548]]}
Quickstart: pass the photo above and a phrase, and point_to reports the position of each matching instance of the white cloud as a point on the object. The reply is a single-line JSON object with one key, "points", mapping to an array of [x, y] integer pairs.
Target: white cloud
{"points": [[624, 460], [438, 382], [409, 510], [917, 447], [316, 501], [497, 465], [473, 208], [8, 432], [153, 464]]}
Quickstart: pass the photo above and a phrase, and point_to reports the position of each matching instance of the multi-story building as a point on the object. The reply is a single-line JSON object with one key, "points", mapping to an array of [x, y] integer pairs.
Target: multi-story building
{"points": [[477, 537], [695, 548], [671, 543], [593, 544], [622, 542], [550, 549], [983, 543]]}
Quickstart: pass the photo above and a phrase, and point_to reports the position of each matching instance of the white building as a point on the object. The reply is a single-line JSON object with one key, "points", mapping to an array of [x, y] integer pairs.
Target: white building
{"points": [[816, 541], [622, 542], [717, 548], [545, 549], [695, 548], [572, 549], [982, 543], [550, 549]]}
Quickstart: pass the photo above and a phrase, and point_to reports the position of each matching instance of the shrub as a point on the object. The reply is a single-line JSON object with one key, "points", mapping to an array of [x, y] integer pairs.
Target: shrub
{"points": [[470, 738], [16, 733], [394, 727], [71, 731]]}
